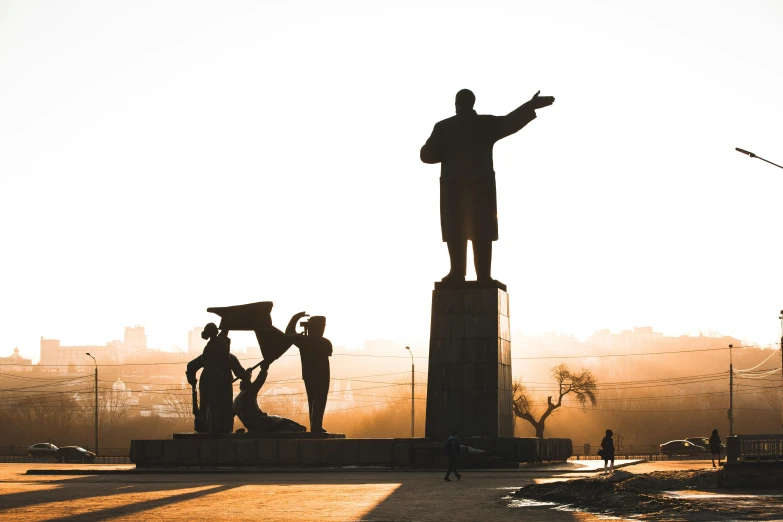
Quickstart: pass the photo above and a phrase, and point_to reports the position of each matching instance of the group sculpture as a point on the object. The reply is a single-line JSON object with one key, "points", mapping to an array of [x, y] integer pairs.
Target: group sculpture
{"points": [[214, 406]]}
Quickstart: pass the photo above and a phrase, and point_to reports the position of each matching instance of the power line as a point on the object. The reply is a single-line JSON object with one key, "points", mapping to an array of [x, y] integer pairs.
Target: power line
{"points": [[631, 354], [759, 364]]}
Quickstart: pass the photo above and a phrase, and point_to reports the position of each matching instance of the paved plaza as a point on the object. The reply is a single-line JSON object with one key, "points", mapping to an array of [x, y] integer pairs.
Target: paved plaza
{"points": [[283, 495]]}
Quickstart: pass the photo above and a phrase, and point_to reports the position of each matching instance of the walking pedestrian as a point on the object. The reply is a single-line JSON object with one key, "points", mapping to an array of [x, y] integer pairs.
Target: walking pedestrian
{"points": [[715, 446], [607, 450], [452, 452]]}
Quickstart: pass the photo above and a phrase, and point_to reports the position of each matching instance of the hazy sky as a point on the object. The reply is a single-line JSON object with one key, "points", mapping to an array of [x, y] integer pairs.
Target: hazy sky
{"points": [[157, 158]]}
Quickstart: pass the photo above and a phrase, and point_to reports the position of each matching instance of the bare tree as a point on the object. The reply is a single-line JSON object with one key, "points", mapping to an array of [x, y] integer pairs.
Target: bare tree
{"points": [[582, 385], [179, 403], [113, 406]]}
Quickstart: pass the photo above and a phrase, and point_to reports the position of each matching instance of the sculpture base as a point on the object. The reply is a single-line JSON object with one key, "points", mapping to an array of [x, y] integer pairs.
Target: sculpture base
{"points": [[469, 376], [192, 435], [340, 452]]}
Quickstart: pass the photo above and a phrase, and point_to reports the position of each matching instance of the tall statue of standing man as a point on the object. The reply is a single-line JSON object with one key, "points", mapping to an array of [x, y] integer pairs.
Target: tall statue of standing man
{"points": [[463, 145]]}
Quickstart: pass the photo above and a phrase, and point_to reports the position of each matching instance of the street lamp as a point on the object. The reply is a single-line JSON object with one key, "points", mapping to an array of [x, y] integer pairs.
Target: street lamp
{"points": [[96, 402], [781, 345], [754, 156], [413, 393]]}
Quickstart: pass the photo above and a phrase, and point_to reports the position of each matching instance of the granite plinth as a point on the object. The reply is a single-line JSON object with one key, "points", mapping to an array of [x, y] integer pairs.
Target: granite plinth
{"points": [[248, 435], [340, 452], [469, 376]]}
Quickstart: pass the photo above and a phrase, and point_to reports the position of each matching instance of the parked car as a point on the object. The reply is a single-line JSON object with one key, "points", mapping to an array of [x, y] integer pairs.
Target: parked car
{"points": [[705, 442], [699, 441], [75, 454], [42, 449], [683, 447]]}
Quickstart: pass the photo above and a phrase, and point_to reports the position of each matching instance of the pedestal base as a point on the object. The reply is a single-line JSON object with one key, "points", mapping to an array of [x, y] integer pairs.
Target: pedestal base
{"points": [[469, 377]]}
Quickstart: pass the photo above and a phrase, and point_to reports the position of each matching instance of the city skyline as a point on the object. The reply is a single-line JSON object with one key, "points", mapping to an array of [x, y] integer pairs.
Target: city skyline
{"points": [[129, 347]]}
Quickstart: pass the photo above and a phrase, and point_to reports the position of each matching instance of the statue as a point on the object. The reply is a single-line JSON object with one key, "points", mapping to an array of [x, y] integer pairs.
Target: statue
{"points": [[215, 414], [463, 146], [252, 417], [314, 352]]}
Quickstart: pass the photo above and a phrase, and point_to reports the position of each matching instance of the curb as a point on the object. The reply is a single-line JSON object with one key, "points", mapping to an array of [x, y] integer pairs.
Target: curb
{"points": [[210, 471]]}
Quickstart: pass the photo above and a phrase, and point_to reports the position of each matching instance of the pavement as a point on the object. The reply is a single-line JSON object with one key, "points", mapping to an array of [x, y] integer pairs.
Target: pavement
{"points": [[285, 495]]}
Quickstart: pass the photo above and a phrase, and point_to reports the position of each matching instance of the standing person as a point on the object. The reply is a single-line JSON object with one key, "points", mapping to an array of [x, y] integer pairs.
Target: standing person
{"points": [[463, 146], [715, 446], [452, 452], [607, 450]]}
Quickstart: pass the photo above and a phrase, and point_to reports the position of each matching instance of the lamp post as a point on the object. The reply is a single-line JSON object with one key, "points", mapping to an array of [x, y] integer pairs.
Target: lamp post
{"points": [[413, 393], [754, 156], [731, 393], [781, 346], [96, 402]]}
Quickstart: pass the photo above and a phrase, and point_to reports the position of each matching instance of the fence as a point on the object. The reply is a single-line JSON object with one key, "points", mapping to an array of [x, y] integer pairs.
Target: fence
{"points": [[25, 459], [641, 456], [16, 454], [755, 448]]}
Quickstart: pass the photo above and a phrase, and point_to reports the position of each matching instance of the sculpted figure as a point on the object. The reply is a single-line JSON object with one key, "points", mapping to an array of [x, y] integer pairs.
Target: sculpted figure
{"points": [[314, 351], [463, 146], [215, 413], [253, 418]]}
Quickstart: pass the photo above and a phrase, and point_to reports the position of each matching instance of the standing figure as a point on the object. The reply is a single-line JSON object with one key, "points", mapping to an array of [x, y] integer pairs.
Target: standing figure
{"points": [[607, 450], [715, 447], [452, 453], [314, 351], [463, 146], [215, 413]]}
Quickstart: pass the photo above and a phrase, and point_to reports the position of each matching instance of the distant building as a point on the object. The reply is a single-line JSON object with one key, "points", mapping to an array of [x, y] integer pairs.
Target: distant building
{"points": [[124, 393], [135, 340], [378, 345], [58, 358], [16, 363], [195, 343], [340, 399]]}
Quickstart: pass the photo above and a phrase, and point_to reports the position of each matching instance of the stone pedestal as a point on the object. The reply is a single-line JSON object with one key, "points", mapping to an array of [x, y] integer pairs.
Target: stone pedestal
{"points": [[469, 376]]}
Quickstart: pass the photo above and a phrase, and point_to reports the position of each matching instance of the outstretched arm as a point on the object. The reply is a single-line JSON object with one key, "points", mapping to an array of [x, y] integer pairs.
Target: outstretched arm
{"points": [[432, 151], [522, 115], [236, 367], [291, 328]]}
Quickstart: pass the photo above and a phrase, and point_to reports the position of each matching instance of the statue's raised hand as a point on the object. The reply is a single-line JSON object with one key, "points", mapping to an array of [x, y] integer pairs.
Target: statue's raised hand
{"points": [[539, 102]]}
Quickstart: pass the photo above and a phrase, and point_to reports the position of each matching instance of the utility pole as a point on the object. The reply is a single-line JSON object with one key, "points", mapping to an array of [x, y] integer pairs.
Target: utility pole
{"points": [[96, 403], [731, 393], [413, 391], [781, 349]]}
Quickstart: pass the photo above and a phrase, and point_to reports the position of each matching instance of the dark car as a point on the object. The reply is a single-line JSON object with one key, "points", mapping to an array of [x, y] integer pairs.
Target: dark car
{"points": [[705, 442], [683, 447], [75, 454], [42, 449]]}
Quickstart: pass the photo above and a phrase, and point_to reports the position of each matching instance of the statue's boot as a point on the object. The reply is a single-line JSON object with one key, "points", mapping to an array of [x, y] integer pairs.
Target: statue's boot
{"points": [[458, 259], [453, 278]]}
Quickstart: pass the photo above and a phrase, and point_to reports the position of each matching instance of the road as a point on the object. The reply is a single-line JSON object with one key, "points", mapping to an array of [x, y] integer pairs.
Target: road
{"points": [[266, 496]]}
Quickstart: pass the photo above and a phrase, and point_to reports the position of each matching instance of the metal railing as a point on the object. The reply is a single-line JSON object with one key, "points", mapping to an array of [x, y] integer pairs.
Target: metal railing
{"points": [[652, 457], [760, 447], [15, 454]]}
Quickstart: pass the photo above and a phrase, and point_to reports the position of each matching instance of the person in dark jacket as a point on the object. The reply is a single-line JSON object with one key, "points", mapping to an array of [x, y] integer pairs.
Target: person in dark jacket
{"points": [[463, 146], [452, 452], [715, 447], [607, 450]]}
